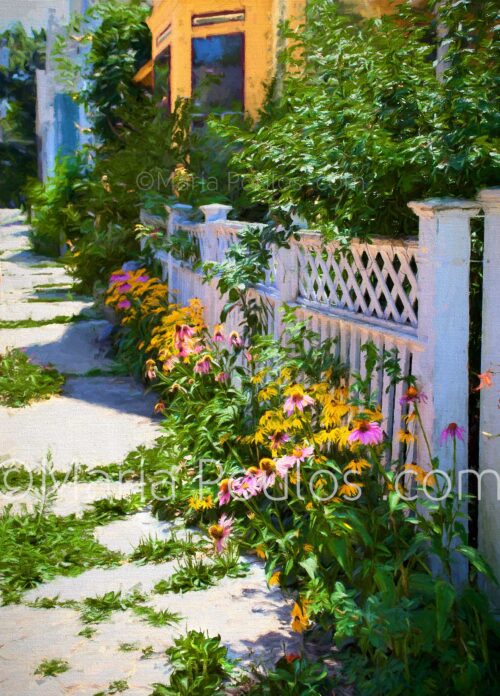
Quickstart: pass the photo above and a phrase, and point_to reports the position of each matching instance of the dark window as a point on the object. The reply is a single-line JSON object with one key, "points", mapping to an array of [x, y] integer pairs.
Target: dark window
{"points": [[161, 79], [218, 73]]}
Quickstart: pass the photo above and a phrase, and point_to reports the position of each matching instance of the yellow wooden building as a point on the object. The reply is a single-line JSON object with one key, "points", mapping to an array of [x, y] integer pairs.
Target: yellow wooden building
{"points": [[222, 53]]}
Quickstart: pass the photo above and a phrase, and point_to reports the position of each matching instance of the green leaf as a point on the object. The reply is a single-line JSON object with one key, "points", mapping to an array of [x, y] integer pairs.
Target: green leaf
{"points": [[479, 563], [445, 597]]}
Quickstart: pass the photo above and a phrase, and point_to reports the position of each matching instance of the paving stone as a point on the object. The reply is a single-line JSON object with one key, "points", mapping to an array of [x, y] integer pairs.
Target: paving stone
{"points": [[95, 422], [124, 535], [72, 347], [41, 311], [71, 498], [98, 581]]}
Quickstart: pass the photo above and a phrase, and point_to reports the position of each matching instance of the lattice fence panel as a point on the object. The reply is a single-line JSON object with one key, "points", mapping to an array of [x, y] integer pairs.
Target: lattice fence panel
{"points": [[371, 280]]}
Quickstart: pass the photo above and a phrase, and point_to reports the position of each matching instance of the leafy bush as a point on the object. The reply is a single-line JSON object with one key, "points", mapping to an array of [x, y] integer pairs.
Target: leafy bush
{"points": [[18, 155], [22, 382], [199, 665], [364, 125], [57, 205]]}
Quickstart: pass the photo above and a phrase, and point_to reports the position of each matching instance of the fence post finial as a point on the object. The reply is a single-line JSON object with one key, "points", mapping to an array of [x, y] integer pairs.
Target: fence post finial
{"points": [[489, 427], [443, 329]]}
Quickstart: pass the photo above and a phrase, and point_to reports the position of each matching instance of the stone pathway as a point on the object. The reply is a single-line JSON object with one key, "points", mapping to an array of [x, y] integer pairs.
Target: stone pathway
{"points": [[97, 421]]}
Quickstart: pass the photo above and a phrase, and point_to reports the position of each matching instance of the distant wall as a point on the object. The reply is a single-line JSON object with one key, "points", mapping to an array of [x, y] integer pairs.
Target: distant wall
{"points": [[31, 13]]}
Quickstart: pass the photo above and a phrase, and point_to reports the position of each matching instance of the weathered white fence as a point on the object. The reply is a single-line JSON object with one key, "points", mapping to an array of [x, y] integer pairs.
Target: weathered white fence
{"points": [[409, 296]]}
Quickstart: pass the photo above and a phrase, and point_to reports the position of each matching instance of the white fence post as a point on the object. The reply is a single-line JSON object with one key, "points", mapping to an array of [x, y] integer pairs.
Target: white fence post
{"points": [[489, 443], [175, 214], [287, 282], [214, 213], [443, 329]]}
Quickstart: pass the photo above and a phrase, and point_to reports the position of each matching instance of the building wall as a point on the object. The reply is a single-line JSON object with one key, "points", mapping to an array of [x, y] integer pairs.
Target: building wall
{"points": [[171, 27], [31, 13], [60, 121], [259, 28]]}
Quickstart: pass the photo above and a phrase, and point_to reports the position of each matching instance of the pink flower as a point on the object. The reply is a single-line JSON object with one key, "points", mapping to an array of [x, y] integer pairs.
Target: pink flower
{"points": [[119, 277], [222, 377], [412, 396], [248, 356], [150, 369], [124, 287], [224, 494], [266, 473], [451, 432], [246, 486], [142, 279], [218, 334], [297, 399], [278, 438], [299, 454], [183, 331], [235, 340], [221, 531], [124, 304], [202, 367], [367, 433], [169, 363]]}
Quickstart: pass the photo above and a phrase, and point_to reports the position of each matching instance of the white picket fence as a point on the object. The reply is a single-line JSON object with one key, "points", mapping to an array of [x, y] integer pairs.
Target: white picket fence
{"points": [[409, 296]]}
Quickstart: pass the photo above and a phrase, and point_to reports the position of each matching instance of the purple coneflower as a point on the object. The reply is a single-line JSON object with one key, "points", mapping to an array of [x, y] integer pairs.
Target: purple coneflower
{"points": [[221, 531], [124, 304], [235, 339], [222, 377], [278, 438], [451, 432], [297, 399], [367, 433], [202, 367], [413, 396]]}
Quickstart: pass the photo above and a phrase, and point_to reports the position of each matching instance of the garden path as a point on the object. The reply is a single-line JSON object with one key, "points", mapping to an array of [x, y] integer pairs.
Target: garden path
{"points": [[97, 420]]}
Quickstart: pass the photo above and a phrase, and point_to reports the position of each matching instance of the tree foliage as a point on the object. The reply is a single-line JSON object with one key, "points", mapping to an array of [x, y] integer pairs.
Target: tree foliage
{"points": [[26, 53], [116, 42], [363, 124]]}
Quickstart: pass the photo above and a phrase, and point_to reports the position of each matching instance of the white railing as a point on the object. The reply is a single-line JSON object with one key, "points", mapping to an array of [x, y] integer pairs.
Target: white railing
{"points": [[409, 297]]}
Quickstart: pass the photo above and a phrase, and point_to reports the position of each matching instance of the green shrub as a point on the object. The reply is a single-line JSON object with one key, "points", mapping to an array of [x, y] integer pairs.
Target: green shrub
{"points": [[58, 205], [199, 665], [363, 124]]}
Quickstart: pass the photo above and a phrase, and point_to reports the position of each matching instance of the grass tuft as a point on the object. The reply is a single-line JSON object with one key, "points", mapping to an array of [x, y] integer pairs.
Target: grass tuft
{"points": [[22, 381]]}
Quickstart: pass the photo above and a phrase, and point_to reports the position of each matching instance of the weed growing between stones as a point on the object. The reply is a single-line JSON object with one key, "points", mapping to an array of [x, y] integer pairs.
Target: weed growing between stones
{"points": [[22, 381], [40, 545], [128, 647], [32, 323], [153, 550], [50, 668], [200, 666], [99, 608], [157, 618], [116, 687]]}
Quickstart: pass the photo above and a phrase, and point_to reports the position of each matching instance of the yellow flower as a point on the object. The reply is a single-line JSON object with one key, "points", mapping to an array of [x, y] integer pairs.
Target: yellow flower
{"points": [[300, 620], [309, 506], [357, 465], [308, 548], [421, 474], [267, 393], [204, 503], [260, 552], [349, 490], [259, 377], [406, 437], [373, 415], [275, 578]]}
